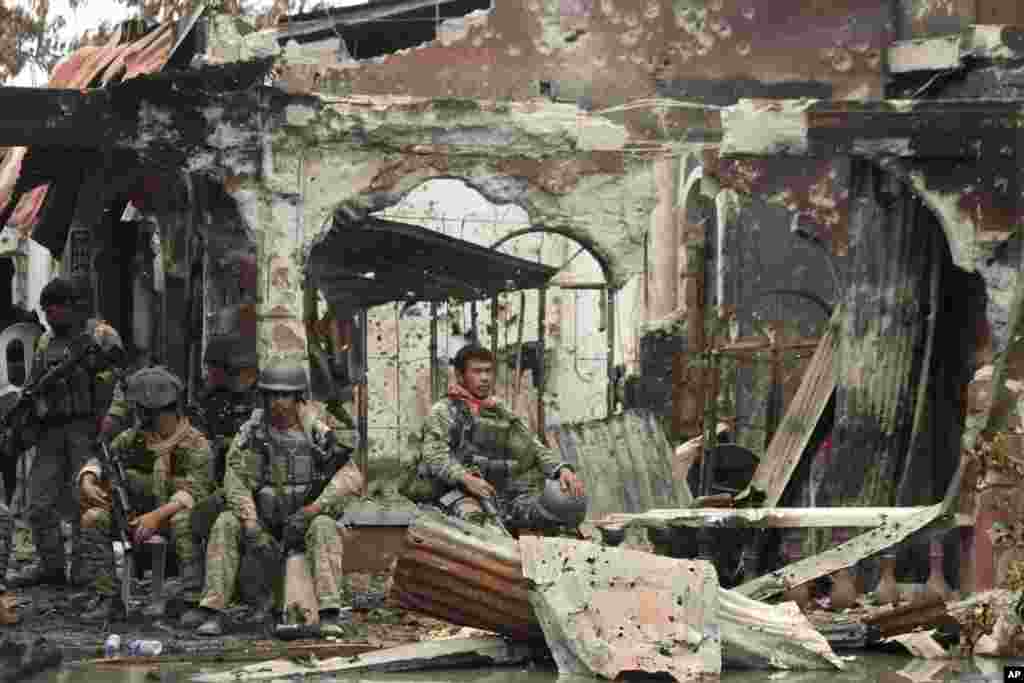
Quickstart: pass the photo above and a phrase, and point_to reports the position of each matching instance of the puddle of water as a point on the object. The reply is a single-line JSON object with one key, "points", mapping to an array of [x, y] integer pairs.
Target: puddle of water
{"points": [[863, 668]]}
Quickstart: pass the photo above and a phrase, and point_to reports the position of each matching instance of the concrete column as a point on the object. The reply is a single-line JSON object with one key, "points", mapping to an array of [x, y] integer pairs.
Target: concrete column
{"points": [[664, 239], [275, 220]]}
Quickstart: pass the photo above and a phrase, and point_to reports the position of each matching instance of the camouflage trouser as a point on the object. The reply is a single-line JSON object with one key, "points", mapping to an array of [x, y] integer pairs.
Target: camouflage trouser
{"points": [[98, 534], [6, 543], [53, 490], [324, 552]]}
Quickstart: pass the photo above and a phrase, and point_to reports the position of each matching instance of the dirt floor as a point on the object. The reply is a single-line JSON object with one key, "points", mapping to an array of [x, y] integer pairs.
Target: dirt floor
{"points": [[51, 612]]}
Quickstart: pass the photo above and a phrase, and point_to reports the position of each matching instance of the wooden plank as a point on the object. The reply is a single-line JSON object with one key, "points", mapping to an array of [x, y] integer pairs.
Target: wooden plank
{"points": [[802, 415]]}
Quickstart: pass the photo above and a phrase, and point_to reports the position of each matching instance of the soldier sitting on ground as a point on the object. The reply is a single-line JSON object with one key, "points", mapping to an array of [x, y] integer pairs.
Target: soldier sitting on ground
{"points": [[168, 463], [288, 478], [474, 449]]}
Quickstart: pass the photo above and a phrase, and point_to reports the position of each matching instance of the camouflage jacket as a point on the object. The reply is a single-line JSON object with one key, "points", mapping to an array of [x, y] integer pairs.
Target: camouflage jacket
{"points": [[88, 388], [181, 472], [241, 476], [442, 431]]}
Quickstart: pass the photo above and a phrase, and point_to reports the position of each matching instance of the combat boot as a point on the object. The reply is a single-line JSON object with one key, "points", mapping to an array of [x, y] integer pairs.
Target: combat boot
{"points": [[195, 617], [212, 627], [40, 576], [105, 609]]}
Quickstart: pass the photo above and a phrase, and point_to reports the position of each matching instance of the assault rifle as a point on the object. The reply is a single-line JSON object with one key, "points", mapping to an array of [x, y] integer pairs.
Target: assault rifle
{"points": [[14, 423], [121, 514]]}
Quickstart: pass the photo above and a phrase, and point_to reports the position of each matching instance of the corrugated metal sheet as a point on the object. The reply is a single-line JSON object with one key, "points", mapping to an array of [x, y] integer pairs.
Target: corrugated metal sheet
{"points": [[610, 610], [625, 460], [458, 572], [111, 63]]}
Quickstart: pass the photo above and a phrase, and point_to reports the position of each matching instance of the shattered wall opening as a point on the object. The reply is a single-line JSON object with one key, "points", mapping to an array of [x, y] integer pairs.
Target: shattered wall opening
{"points": [[399, 30], [401, 342]]}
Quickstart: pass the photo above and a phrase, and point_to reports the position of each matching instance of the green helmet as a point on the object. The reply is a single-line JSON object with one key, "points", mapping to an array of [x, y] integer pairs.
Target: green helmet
{"points": [[231, 351], [154, 388], [284, 376], [559, 506]]}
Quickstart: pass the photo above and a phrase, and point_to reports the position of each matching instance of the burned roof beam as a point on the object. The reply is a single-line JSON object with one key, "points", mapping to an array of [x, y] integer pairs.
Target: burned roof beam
{"points": [[57, 118], [353, 16]]}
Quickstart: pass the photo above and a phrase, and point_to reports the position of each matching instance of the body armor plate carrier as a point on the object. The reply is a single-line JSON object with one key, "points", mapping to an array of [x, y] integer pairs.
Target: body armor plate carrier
{"points": [[292, 473]]}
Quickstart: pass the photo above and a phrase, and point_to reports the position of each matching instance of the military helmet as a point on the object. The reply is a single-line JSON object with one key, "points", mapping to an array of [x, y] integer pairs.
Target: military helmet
{"points": [[231, 351], [58, 291], [284, 376], [154, 388], [559, 506]]}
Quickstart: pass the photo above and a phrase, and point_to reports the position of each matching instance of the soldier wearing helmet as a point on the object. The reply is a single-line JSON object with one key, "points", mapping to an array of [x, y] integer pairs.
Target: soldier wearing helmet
{"points": [[288, 477], [474, 449], [169, 464], [230, 395], [66, 418]]}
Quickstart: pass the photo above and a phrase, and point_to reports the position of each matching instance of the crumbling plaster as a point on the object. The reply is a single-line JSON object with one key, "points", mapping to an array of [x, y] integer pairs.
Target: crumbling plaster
{"points": [[603, 52]]}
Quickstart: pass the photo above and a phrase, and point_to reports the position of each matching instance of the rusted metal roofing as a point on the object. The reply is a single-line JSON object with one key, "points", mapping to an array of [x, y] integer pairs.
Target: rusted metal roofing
{"points": [[89, 67], [377, 261], [625, 460], [456, 571]]}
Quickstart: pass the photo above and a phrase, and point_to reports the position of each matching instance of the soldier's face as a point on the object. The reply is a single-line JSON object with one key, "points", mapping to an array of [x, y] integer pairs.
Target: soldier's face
{"points": [[282, 408], [478, 378]]}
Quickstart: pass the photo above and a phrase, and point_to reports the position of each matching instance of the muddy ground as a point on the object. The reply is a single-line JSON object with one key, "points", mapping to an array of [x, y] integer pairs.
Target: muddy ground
{"points": [[52, 612]]}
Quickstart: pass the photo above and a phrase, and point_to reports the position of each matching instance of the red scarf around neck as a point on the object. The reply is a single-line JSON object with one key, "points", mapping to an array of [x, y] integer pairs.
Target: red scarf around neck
{"points": [[461, 393]]}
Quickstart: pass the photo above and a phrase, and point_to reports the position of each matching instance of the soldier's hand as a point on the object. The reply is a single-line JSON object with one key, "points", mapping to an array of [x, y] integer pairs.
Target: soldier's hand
{"points": [[478, 487], [92, 492], [570, 482], [145, 526]]}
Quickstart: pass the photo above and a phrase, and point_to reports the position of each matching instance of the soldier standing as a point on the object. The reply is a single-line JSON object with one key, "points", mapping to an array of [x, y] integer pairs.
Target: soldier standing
{"points": [[168, 463], [67, 417], [474, 451], [288, 478]]}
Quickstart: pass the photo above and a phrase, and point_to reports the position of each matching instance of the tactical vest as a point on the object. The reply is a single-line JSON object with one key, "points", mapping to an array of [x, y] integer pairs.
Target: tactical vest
{"points": [[289, 473], [75, 395], [483, 443]]}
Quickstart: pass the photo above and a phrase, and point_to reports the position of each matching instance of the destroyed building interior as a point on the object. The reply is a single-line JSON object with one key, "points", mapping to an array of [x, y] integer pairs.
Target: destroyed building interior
{"points": [[752, 268]]}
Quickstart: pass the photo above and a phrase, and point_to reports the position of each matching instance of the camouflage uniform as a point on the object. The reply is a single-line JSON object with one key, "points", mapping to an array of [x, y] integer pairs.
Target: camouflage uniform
{"points": [[6, 543], [180, 472], [68, 417], [496, 445], [253, 472]]}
